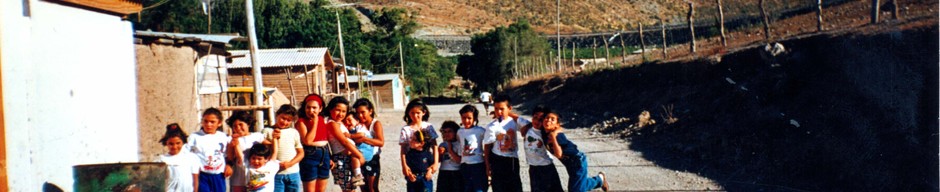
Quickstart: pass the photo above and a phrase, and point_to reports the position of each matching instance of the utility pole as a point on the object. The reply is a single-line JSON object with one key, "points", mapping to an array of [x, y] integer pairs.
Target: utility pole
{"points": [[662, 24], [401, 58], [342, 52], [255, 67], [692, 27], [558, 31], [721, 23]]}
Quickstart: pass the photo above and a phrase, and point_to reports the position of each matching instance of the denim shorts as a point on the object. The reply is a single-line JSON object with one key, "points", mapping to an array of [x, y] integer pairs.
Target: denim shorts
{"points": [[315, 164]]}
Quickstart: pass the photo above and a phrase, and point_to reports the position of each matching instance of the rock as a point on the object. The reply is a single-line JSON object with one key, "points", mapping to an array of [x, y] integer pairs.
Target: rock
{"points": [[795, 124]]}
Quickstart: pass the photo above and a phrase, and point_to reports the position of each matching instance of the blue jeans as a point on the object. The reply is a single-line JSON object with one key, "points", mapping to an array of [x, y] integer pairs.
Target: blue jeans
{"points": [[287, 182], [421, 184], [578, 179]]}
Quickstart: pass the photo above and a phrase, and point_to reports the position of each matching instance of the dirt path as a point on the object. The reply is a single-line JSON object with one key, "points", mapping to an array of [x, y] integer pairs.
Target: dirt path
{"points": [[627, 169]]}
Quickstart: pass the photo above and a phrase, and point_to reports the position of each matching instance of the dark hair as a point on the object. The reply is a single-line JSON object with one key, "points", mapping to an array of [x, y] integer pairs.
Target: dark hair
{"points": [[286, 109], [243, 116], [541, 108], [259, 149], [173, 130], [453, 126], [501, 98], [333, 103], [424, 138], [470, 108], [313, 97], [365, 102], [416, 103], [213, 111]]}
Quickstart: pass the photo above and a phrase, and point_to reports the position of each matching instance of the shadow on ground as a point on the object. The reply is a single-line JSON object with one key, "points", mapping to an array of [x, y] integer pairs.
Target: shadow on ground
{"points": [[839, 113]]}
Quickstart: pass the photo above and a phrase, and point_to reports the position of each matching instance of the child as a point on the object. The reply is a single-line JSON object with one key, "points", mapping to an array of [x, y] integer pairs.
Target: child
{"points": [[314, 135], [416, 115], [183, 166], [289, 151], [346, 157], [242, 123], [575, 162], [359, 131], [504, 155], [420, 160], [542, 173], [261, 168], [210, 144], [449, 179], [365, 112], [472, 164]]}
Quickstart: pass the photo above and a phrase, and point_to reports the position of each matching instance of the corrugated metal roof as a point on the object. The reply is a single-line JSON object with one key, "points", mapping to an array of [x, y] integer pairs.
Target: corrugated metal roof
{"points": [[283, 57], [217, 38], [378, 77]]}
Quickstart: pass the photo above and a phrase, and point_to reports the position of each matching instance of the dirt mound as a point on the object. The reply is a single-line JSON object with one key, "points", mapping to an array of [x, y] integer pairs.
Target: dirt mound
{"points": [[847, 112]]}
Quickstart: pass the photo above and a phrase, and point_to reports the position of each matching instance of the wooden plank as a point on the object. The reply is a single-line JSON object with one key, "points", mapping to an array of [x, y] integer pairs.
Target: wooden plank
{"points": [[3, 145], [121, 7], [244, 108]]}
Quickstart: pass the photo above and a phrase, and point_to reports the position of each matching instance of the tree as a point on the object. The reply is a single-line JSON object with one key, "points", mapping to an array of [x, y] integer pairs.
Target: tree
{"points": [[496, 52]]}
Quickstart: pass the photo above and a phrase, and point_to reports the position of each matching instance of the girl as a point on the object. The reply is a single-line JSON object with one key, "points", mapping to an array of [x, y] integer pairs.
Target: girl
{"points": [[449, 179], [542, 173], [574, 160], [365, 112], [472, 162], [209, 144], [183, 166], [242, 123], [315, 166], [416, 115], [419, 162], [346, 157]]}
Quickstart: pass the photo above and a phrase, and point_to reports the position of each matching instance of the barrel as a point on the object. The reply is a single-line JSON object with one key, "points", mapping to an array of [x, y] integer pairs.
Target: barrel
{"points": [[120, 177]]}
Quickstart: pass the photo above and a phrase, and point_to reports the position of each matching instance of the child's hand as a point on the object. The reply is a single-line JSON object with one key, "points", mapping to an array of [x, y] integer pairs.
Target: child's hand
{"points": [[228, 171], [276, 134], [332, 165], [428, 176], [283, 166], [411, 177]]}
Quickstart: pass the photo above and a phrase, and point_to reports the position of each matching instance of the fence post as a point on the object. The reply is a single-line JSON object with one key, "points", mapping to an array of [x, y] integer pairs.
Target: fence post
{"points": [[607, 51], [642, 43], [721, 23], [763, 15], [894, 13], [662, 25], [819, 20], [574, 56], [691, 27], [623, 50], [875, 9], [594, 50]]}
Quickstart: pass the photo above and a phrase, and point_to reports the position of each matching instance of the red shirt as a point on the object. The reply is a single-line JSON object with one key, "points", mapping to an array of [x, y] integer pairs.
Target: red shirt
{"points": [[322, 130]]}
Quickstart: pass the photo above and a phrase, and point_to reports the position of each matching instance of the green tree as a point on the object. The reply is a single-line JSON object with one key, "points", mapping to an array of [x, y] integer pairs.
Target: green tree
{"points": [[496, 52]]}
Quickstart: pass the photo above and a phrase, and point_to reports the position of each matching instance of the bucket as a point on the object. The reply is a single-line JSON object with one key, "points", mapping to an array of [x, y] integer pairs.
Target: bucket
{"points": [[120, 177]]}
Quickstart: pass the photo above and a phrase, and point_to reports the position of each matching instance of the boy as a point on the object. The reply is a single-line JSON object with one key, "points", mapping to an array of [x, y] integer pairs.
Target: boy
{"points": [[542, 173], [449, 178], [472, 165], [500, 146], [262, 168], [289, 152], [209, 144], [419, 159]]}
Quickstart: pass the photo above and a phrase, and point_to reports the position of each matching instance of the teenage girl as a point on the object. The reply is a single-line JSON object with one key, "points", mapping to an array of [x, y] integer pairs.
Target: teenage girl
{"points": [[365, 113], [416, 116], [315, 166]]}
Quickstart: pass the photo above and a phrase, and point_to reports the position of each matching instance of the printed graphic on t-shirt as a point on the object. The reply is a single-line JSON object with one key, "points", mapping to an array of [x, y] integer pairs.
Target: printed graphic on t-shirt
{"points": [[256, 179], [214, 162]]}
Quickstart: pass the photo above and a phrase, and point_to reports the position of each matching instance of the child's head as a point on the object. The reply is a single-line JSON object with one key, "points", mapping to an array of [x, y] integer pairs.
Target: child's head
{"points": [[364, 109], [449, 131], [550, 121], [336, 110], [241, 122], [416, 112], [538, 113], [501, 105], [418, 140], [173, 139], [468, 116], [311, 106], [350, 121], [211, 120], [285, 116], [258, 154]]}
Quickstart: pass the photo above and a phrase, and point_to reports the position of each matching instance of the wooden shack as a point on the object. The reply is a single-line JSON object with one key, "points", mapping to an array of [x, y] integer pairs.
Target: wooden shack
{"points": [[385, 90], [296, 72]]}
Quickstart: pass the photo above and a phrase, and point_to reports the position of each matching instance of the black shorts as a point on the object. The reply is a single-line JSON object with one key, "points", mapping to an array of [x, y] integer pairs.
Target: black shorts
{"points": [[372, 168]]}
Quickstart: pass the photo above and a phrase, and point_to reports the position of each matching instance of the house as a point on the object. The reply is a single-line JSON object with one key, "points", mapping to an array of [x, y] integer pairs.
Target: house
{"points": [[178, 76], [295, 72], [387, 90], [68, 91]]}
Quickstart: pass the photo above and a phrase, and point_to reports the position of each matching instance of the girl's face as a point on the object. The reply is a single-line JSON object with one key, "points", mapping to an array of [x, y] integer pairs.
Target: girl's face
{"points": [[338, 113], [284, 121], [174, 145], [416, 145], [537, 120], [210, 123], [350, 121], [257, 161], [364, 113], [240, 128], [467, 119], [550, 122], [313, 108], [449, 134], [415, 114]]}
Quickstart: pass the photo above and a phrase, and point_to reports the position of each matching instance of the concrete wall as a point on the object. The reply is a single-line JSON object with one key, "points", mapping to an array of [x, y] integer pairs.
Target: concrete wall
{"points": [[68, 91], [166, 94]]}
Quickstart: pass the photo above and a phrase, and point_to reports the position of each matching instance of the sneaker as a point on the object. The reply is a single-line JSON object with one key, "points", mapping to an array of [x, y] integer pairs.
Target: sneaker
{"points": [[603, 176], [358, 180]]}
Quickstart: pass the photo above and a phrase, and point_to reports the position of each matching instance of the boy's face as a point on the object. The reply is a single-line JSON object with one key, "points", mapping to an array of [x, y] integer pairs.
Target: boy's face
{"points": [[363, 112], [312, 109], [338, 113], [467, 119], [416, 145], [174, 145], [284, 121], [257, 161], [210, 123], [416, 114], [240, 128], [350, 121], [550, 121], [501, 109], [537, 120], [449, 134]]}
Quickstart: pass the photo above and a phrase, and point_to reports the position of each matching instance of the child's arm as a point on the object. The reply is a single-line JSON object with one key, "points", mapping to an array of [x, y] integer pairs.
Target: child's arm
{"points": [[486, 158], [274, 143], [435, 163], [453, 154], [311, 133], [196, 182], [378, 139], [405, 170], [554, 147]]}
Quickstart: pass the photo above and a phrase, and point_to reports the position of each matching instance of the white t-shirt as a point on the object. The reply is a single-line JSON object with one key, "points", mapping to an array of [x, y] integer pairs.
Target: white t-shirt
{"points": [[485, 96], [287, 147], [535, 153], [335, 144], [239, 176], [448, 163], [471, 144], [181, 169], [498, 129], [407, 133], [262, 178], [210, 148]]}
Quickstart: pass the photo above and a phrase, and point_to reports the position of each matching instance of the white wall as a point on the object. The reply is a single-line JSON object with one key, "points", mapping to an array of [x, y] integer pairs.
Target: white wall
{"points": [[68, 90]]}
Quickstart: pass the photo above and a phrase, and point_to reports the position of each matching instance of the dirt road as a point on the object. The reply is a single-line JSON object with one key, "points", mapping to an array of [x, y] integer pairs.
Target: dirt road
{"points": [[627, 169]]}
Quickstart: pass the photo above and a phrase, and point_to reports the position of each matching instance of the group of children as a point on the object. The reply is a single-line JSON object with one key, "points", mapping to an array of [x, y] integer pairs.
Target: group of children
{"points": [[471, 157]]}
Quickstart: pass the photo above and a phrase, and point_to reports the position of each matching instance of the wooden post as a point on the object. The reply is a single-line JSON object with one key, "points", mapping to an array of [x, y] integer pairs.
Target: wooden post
{"points": [[663, 26], [551, 61], [623, 50], [721, 23], [642, 43], [290, 83], [606, 51], [594, 51], [574, 56], [515, 59], [342, 54], [4, 185], [819, 20], [561, 56], [763, 14], [359, 83], [255, 66], [895, 13], [560, 45], [691, 27], [875, 9], [307, 77]]}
